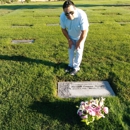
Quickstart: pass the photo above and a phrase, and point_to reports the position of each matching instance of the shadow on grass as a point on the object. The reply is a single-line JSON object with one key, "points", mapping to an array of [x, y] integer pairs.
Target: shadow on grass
{"points": [[52, 6], [30, 60], [112, 79], [126, 119], [63, 111], [126, 116]]}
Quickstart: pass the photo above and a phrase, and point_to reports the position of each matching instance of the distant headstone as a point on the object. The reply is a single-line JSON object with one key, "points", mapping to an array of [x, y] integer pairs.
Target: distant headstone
{"points": [[22, 41], [84, 89]]}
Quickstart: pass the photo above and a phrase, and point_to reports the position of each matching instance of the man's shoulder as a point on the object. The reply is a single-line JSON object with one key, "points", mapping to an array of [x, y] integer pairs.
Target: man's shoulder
{"points": [[62, 16], [80, 12]]}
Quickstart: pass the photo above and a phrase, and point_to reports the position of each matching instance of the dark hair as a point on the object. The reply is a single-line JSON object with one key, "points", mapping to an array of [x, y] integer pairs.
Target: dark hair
{"points": [[67, 3]]}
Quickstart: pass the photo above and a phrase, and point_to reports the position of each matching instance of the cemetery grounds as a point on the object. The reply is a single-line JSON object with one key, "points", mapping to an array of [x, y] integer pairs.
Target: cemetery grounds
{"points": [[29, 72]]}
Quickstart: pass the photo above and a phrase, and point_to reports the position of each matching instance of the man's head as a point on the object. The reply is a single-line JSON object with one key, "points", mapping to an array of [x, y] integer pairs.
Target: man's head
{"points": [[69, 9]]}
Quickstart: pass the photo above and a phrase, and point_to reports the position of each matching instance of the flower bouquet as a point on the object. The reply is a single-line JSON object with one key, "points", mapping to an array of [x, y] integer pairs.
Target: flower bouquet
{"points": [[92, 110]]}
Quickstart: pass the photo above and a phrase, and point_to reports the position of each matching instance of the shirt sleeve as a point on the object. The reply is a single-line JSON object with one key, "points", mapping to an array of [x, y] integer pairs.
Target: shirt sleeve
{"points": [[84, 21], [62, 21]]}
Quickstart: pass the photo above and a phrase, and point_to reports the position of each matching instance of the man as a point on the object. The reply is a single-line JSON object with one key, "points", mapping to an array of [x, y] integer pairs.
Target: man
{"points": [[74, 26]]}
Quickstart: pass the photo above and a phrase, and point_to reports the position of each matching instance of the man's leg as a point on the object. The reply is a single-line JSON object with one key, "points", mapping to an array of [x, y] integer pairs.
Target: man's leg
{"points": [[71, 58], [71, 55], [78, 57]]}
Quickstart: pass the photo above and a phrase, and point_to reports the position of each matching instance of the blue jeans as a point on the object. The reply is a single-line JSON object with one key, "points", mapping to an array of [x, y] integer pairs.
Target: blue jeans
{"points": [[75, 55]]}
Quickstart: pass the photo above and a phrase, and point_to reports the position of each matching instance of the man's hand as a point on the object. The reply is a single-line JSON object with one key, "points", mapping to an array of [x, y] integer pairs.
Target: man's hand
{"points": [[82, 37], [70, 43], [77, 45]]}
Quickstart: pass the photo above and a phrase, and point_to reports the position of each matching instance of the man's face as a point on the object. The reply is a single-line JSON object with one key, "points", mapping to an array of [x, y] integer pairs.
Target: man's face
{"points": [[69, 12]]}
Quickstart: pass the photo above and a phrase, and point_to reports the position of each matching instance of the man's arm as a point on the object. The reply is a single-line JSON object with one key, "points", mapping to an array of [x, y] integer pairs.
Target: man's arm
{"points": [[82, 37], [64, 31]]}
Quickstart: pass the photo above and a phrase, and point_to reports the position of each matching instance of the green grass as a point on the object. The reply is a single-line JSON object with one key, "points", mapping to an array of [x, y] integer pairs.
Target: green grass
{"points": [[29, 73]]}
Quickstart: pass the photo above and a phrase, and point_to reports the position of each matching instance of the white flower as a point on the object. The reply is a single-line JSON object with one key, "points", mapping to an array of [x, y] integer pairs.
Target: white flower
{"points": [[101, 102]]}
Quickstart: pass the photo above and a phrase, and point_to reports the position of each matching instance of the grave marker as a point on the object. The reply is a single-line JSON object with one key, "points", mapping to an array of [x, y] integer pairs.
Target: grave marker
{"points": [[53, 24], [84, 89], [22, 41]]}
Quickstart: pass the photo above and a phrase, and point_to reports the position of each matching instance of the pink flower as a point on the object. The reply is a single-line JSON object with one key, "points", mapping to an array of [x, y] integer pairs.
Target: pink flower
{"points": [[91, 112], [84, 117], [105, 109], [82, 103], [79, 112], [98, 109], [93, 108]]}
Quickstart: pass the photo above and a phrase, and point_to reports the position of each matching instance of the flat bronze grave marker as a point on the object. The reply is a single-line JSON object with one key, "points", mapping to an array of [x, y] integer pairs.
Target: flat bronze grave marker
{"points": [[123, 23], [84, 89], [53, 24], [16, 26], [22, 26], [96, 22], [22, 41]]}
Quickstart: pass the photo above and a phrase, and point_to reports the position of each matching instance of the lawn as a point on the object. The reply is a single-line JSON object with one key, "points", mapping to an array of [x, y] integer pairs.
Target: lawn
{"points": [[29, 72]]}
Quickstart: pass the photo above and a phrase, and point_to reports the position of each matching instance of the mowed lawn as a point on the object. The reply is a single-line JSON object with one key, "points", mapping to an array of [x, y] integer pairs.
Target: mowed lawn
{"points": [[29, 72]]}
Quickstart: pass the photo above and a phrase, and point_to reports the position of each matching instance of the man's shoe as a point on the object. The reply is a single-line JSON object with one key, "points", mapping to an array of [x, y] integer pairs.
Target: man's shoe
{"points": [[74, 72], [68, 69]]}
